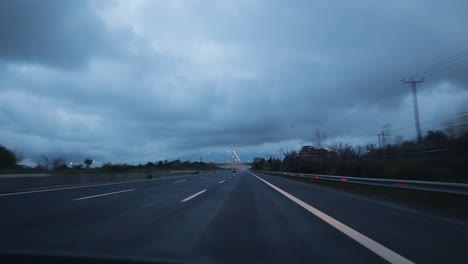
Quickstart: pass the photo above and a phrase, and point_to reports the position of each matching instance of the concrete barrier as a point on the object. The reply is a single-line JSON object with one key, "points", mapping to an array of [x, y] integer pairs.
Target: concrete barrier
{"points": [[8, 183]]}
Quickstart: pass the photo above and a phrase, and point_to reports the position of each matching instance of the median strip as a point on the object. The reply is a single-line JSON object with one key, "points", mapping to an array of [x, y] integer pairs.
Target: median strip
{"points": [[104, 194], [367, 242], [192, 196]]}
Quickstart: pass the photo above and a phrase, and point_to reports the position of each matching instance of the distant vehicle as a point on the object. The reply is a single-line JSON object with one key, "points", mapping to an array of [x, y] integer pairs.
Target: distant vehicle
{"points": [[234, 170]]}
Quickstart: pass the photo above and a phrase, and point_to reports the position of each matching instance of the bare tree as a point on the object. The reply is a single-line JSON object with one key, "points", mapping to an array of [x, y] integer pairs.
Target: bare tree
{"points": [[343, 150], [45, 163], [318, 139], [58, 163]]}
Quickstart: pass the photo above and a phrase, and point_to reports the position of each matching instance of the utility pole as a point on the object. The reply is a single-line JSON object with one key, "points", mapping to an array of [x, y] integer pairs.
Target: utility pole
{"points": [[415, 104], [379, 140], [280, 151], [300, 154], [384, 142]]}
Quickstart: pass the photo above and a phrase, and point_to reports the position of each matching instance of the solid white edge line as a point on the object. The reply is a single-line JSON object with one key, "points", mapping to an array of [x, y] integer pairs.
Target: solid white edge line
{"points": [[372, 245], [179, 181], [99, 195], [387, 204], [221, 181], [192, 196]]}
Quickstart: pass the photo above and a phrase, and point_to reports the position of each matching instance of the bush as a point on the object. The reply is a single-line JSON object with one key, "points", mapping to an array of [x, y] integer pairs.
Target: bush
{"points": [[7, 158]]}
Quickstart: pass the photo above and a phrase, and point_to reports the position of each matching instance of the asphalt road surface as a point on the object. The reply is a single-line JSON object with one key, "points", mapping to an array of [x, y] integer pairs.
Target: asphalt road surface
{"points": [[227, 217]]}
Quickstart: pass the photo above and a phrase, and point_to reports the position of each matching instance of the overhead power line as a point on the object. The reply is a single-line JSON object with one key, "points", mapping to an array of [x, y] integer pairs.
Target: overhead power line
{"points": [[386, 94], [393, 90], [452, 59], [446, 68], [440, 66]]}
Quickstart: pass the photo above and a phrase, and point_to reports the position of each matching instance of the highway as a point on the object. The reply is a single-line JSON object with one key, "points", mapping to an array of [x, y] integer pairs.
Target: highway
{"points": [[225, 217]]}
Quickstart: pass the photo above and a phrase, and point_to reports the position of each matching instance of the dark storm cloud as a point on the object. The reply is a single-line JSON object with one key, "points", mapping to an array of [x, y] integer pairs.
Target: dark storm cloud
{"points": [[140, 80], [58, 33]]}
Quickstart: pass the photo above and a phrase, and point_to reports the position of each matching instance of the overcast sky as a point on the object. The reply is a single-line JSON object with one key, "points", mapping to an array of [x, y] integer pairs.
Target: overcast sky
{"points": [[138, 81]]}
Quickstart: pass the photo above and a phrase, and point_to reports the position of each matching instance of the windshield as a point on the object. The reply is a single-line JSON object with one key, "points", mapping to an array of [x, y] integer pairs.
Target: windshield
{"points": [[250, 131]]}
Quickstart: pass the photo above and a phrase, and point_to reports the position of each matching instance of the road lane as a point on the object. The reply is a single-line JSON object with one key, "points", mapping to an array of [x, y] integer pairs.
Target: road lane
{"points": [[165, 229], [240, 221], [258, 225], [179, 181], [193, 196], [33, 216], [54, 189], [421, 238], [57, 194], [102, 194], [384, 252]]}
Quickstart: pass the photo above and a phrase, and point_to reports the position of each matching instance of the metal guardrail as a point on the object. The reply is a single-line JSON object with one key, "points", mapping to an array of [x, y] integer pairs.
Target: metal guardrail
{"points": [[443, 187]]}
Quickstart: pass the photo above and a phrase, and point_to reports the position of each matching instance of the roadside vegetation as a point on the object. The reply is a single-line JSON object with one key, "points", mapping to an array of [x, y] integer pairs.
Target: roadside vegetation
{"points": [[8, 159], [10, 164], [438, 156]]}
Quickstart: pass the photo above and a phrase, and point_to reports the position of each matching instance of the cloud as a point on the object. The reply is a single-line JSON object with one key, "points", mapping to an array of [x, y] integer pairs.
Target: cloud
{"points": [[57, 33], [140, 80]]}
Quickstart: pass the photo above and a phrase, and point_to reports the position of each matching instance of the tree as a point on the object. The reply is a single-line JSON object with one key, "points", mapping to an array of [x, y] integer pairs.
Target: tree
{"points": [[88, 162], [160, 164], [319, 138], [275, 164], [436, 139], [78, 167], [8, 158], [343, 151], [258, 164], [56, 163], [291, 162], [150, 165], [59, 163], [371, 148], [45, 163]]}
